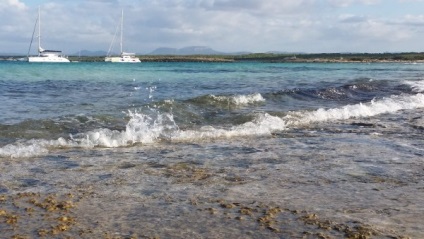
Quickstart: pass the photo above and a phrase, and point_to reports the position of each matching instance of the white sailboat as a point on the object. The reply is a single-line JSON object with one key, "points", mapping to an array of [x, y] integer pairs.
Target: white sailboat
{"points": [[125, 57], [44, 55]]}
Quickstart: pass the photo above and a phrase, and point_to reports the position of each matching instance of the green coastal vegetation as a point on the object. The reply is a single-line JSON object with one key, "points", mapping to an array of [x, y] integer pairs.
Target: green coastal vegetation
{"points": [[334, 57], [278, 57], [265, 57]]}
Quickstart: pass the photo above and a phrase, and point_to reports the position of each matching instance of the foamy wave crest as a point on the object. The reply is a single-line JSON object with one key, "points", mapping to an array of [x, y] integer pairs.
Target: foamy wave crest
{"points": [[141, 128], [240, 100], [263, 124], [32, 148], [386, 105], [417, 86], [157, 126]]}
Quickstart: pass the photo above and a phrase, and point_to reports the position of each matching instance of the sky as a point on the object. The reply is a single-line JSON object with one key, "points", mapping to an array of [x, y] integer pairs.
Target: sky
{"points": [[309, 26]]}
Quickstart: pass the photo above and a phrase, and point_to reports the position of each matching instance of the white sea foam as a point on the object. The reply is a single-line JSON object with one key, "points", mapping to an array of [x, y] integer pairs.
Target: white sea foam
{"points": [[375, 107], [23, 150], [240, 100], [417, 86], [248, 99], [264, 124], [32, 148], [148, 129], [140, 129]]}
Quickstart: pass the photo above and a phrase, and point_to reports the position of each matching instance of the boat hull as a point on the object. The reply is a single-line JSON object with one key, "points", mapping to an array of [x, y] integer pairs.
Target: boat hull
{"points": [[47, 59], [122, 59]]}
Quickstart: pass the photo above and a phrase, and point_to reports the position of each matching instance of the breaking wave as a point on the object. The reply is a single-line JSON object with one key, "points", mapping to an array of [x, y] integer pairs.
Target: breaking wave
{"points": [[240, 99], [233, 100], [417, 86], [157, 126]]}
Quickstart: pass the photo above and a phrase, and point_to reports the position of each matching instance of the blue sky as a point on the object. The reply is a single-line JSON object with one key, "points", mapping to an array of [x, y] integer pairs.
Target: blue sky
{"points": [[313, 26]]}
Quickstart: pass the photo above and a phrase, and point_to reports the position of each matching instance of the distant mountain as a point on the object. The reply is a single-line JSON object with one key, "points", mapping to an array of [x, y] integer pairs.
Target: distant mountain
{"points": [[89, 53], [164, 51], [191, 50], [198, 50]]}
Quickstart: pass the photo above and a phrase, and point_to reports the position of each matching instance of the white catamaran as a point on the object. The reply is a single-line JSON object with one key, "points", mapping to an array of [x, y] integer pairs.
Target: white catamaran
{"points": [[44, 55], [125, 56]]}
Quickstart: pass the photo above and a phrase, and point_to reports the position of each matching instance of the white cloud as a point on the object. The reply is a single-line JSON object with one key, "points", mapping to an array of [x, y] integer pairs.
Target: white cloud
{"points": [[346, 3], [413, 20], [226, 25], [13, 22], [12, 5], [402, 1]]}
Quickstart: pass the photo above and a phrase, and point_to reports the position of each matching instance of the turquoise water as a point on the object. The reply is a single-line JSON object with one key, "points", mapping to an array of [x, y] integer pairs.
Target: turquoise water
{"points": [[146, 141]]}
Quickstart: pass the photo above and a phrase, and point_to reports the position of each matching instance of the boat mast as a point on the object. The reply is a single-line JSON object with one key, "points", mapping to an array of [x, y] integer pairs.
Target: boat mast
{"points": [[122, 26], [39, 31], [32, 37]]}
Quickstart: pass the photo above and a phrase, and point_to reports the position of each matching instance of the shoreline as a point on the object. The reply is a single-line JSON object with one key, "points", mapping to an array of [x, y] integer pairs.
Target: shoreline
{"points": [[264, 58]]}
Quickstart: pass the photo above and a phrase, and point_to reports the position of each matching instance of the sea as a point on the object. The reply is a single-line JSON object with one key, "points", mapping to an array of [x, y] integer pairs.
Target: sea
{"points": [[211, 150]]}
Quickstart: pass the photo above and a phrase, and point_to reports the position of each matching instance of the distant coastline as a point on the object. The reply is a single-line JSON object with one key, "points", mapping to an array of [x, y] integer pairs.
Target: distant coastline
{"points": [[267, 58]]}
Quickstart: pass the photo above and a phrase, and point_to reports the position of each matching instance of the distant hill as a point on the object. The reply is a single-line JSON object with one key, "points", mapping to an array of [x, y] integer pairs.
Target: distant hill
{"points": [[191, 50], [164, 51]]}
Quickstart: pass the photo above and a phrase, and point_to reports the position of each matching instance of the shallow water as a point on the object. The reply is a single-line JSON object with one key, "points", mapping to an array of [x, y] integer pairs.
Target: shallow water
{"points": [[212, 150]]}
